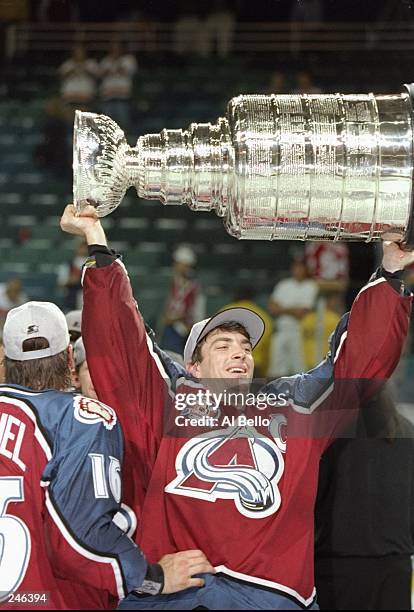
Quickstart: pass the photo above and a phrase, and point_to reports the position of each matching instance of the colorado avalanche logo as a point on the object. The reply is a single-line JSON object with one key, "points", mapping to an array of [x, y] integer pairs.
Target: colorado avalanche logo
{"points": [[240, 465], [91, 412]]}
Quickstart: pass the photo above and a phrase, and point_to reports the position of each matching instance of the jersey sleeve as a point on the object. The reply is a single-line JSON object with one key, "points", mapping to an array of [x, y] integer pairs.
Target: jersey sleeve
{"points": [[127, 369], [364, 350], [82, 484]]}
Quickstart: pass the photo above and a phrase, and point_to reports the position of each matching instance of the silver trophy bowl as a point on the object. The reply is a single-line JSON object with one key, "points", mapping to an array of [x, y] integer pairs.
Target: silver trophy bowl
{"points": [[291, 167]]}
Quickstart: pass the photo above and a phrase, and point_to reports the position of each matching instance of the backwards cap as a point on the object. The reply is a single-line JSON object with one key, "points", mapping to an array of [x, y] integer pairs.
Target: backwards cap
{"points": [[35, 320]]}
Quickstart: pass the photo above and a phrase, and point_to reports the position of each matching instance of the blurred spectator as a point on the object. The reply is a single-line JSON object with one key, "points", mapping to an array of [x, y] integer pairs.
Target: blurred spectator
{"points": [[277, 83], [328, 263], [318, 325], [54, 152], [303, 12], [305, 84], [117, 71], [217, 30], [244, 298], [74, 321], [291, 300], [78, 79], [364, 514], [11, 296], [187, 30], [23, 234], [144, 24], [69, 278], [185, 303]]}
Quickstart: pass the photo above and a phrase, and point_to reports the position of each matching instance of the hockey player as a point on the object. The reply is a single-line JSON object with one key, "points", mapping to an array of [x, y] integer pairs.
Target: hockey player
{"points": [[242, 493], [64, 533]]}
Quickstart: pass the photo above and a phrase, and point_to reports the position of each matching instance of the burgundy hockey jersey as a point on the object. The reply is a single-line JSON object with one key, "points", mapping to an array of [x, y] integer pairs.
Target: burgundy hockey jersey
{"points": [[243, 492], [63, 532]]}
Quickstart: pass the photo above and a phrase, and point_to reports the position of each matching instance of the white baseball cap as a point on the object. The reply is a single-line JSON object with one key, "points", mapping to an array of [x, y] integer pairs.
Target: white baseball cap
{"points": [[74, 320], [79, 354], [251, 321], [35, 320]]}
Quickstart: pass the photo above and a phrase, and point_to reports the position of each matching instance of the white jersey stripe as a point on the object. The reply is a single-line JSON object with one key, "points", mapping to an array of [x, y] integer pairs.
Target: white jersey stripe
{"points": [[342, 340], [82, 551], [316, 403], [266, 583], [28, 412], [160, 366], [19, 391], [378, 281]]}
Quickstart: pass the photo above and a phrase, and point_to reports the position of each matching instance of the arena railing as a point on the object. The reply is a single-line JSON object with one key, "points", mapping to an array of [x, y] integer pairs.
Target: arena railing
{"points": [[152, 36]]}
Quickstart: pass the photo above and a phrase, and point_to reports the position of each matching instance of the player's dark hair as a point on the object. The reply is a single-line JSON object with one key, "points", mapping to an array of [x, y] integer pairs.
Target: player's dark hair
{"points": [[230, 326], [74, 335], [39, 374]]}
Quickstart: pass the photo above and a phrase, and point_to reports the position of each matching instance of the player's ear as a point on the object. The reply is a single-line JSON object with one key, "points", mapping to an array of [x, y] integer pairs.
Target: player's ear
{"points": [[193, 369], [71, 360]]}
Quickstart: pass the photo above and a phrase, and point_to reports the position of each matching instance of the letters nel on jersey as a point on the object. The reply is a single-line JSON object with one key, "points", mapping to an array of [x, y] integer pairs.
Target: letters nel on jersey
{"points": [[11, 438]]}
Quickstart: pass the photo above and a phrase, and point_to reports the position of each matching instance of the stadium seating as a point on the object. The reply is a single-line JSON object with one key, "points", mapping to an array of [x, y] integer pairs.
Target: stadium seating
{"points": [[31, 199]]}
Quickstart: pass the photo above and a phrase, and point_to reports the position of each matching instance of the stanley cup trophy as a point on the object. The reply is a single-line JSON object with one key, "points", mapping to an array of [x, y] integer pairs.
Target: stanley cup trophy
{"points": [[290, 167]]}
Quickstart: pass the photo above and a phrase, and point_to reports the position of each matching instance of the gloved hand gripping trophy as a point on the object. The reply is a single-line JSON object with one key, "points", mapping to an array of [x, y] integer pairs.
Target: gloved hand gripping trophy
{"points": [[305, 167]]}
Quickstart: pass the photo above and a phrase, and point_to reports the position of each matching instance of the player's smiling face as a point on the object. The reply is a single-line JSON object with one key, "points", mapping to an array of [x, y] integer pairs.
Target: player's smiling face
{"points": [[225, 354]]}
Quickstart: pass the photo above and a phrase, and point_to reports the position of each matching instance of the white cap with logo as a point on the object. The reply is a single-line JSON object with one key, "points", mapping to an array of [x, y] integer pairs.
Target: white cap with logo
{"points": [[79, 354], [251, 321], [35, 320], [74, 320]]}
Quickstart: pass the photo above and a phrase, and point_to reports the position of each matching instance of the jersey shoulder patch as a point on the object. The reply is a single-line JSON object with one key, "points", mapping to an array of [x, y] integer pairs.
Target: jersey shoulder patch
{"points": [[91, 412]]}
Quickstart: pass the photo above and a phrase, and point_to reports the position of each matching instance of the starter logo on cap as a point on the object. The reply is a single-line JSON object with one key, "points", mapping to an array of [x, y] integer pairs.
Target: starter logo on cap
{"points": [[90, 412]]}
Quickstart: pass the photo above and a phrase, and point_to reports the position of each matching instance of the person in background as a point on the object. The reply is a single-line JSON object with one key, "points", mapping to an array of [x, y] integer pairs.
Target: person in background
{"points": [[305, 84], [74, 321], [318, 325], [291, 300], [54, 153], [277, 83], [244, 298], [217, 30], [328, 263], [69, 278], [364, 514], [11, 295], [78, 79], [117, 70], [186, 32], [185, 303], [82, 379]]}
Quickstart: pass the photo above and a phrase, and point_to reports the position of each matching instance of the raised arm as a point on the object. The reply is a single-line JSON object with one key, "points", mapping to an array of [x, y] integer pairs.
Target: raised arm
{"points": [[378, 324], [364, 350], [127, 371]]}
